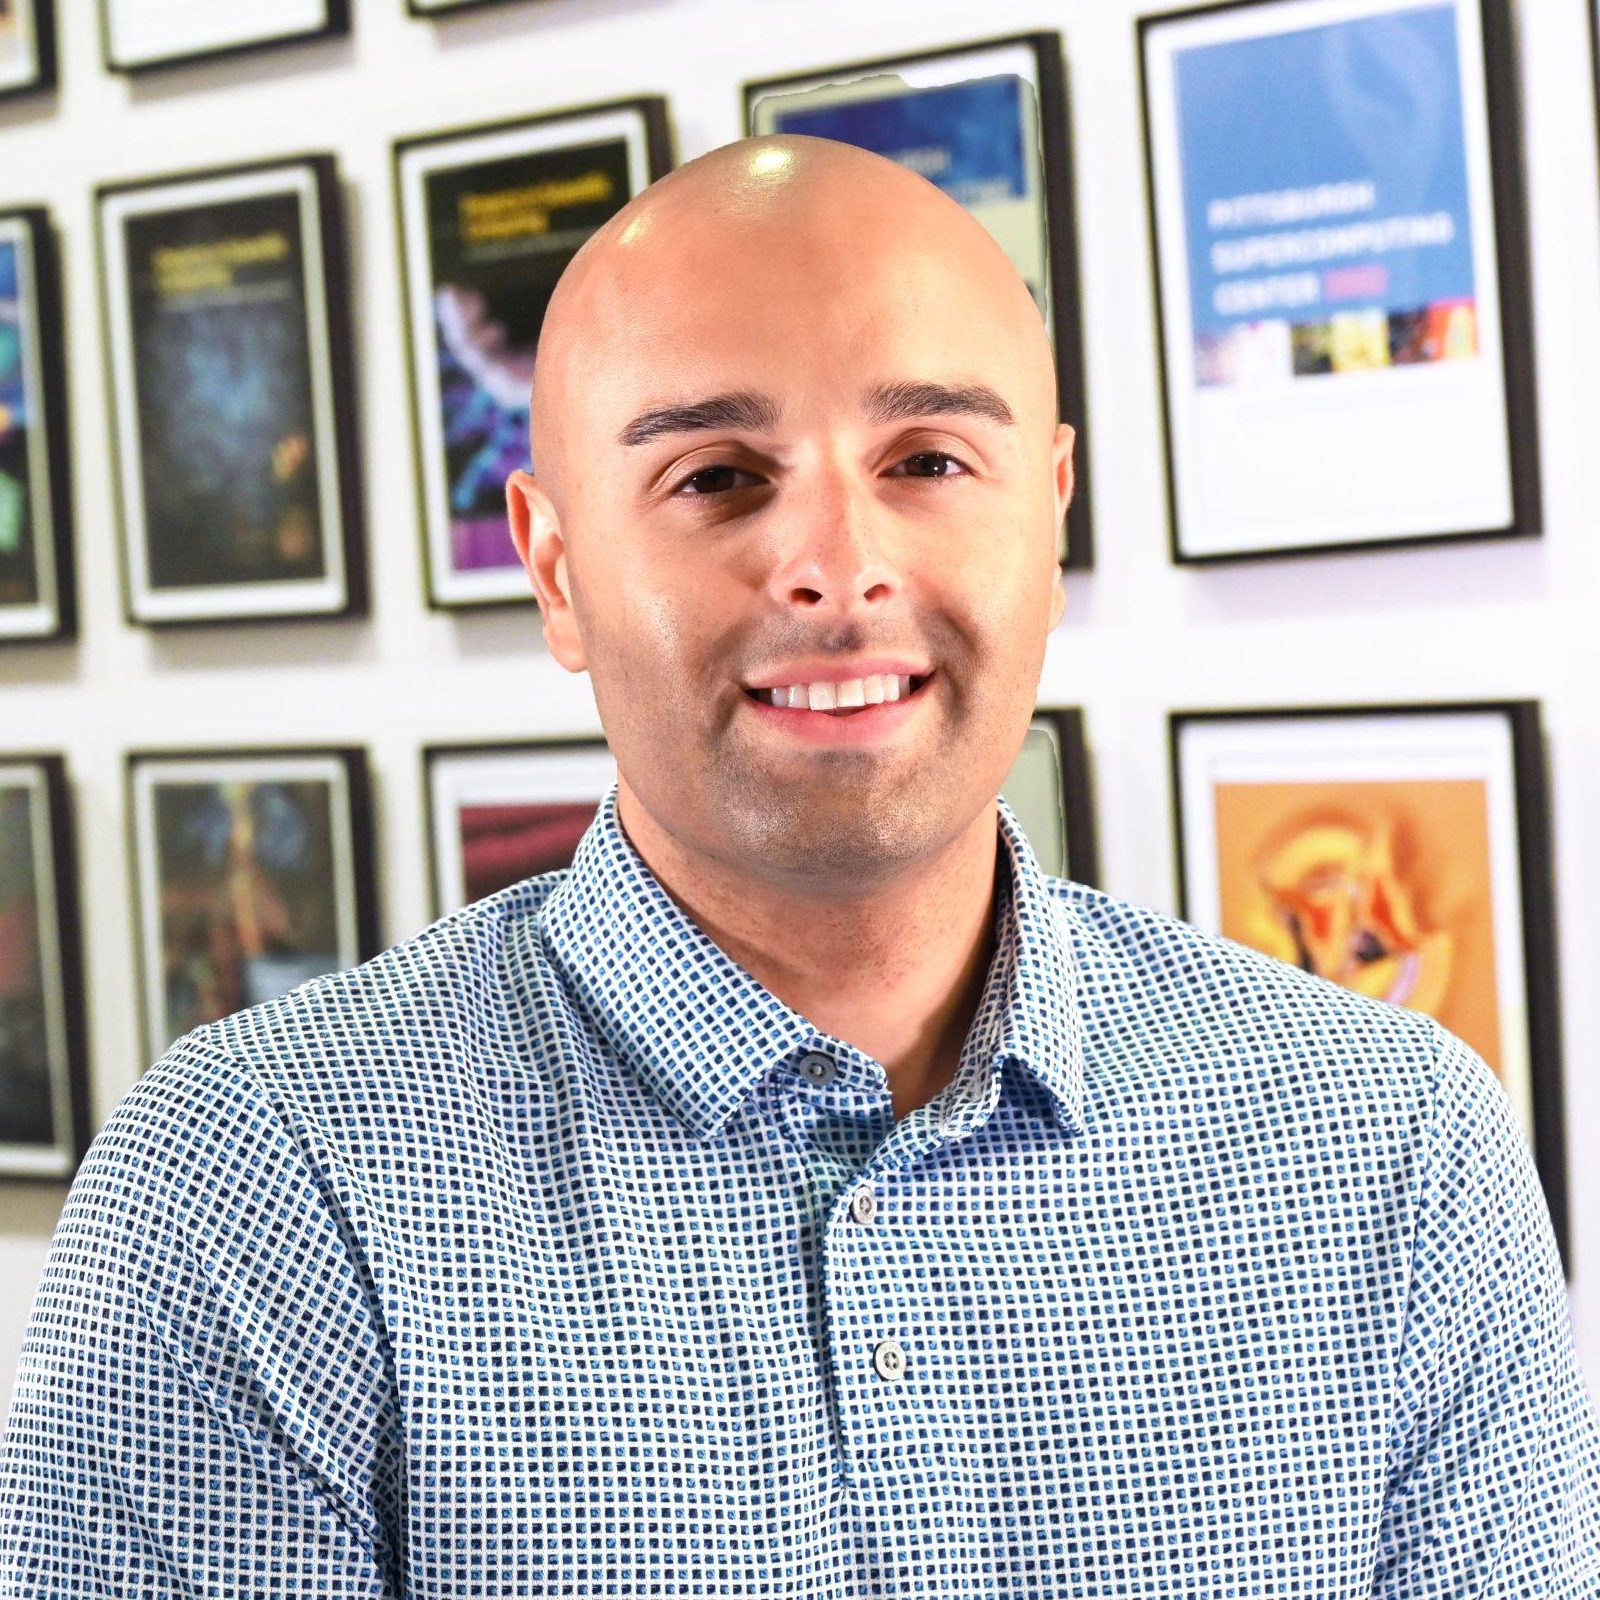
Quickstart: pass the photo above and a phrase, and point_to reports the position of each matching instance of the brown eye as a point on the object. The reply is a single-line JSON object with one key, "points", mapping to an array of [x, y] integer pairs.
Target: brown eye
{"points": [[712, 480], [937, 463]]}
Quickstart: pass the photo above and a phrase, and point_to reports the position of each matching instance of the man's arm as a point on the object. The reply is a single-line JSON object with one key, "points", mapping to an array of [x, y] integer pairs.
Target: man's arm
{"points": [[1494, 1454], [202, 1404]]}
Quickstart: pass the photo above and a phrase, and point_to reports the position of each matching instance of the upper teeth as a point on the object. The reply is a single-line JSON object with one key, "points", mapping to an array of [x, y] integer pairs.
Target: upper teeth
{"points": [[869, 691]]}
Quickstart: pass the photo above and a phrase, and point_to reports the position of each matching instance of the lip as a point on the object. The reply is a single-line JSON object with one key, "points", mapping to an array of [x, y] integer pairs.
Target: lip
{"points": [[866, 726], [840, 671]]}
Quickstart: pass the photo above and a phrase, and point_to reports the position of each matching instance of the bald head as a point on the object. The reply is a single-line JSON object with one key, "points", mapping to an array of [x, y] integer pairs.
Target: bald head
{"points": [[820, 219], [795, 426]]}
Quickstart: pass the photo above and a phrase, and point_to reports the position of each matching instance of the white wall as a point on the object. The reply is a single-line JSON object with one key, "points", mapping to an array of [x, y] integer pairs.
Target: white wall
{"points": [[1479, 621]]}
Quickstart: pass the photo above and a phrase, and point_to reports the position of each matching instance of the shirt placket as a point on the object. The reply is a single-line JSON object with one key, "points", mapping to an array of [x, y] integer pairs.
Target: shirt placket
{"points": [[899, 1462]]}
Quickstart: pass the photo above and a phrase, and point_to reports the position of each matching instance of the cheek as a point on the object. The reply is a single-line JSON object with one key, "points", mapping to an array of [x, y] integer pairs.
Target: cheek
{"points": [[1004, 594], [666, 626], [660, 634]]}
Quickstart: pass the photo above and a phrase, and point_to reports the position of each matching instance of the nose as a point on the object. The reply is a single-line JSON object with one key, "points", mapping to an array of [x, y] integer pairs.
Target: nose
{"points": [[833, 556]]}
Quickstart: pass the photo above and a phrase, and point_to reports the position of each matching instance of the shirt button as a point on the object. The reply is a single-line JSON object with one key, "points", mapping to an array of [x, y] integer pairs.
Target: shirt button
{"points": [[818, 1069], [890, 1360], [864, 1204]]}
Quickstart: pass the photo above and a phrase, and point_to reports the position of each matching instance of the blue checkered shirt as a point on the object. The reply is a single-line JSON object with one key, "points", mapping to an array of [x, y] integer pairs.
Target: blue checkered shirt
{"points": [[549, 1254]]}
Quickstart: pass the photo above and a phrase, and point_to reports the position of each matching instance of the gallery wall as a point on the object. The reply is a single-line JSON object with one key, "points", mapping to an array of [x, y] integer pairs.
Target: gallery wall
{"points": [[1495, 620]]}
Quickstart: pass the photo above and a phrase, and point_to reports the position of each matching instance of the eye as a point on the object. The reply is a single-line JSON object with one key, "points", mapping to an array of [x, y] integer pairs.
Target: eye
{"points": [[938, 463], [713, 480]]}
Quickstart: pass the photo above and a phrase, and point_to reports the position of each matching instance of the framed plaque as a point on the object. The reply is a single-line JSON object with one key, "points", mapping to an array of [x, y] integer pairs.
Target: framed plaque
{"points": [[27, 47], [989, 124], [498, 813], [1341, 268], [44, 1071], [228, 351], [143, 35], [37, 599], [253, 873], [489, 219], [1402, 851], [1048, 788]]}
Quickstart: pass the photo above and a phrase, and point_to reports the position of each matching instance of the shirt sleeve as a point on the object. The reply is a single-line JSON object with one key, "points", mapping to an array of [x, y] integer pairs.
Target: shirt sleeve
{"points": [[1493, 1487], [201, 1405]]}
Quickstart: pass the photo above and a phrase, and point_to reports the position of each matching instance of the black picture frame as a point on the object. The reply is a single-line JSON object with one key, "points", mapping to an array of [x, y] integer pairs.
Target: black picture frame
{"points": [[1525, 787], [350, 872], [447, 875], [1515, 373], [335, 24], [38, 76], [1070, 850], [1594, 58], [1059, 195], [309, 185], [639, 129], [452, 8], [50, 611], [41, 778]]}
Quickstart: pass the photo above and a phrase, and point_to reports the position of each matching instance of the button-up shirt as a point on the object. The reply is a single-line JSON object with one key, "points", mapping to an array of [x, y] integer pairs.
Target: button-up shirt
{"points": [[549, 1253]]}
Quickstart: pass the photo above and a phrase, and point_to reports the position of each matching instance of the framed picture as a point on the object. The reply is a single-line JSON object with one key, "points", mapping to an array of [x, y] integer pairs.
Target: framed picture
{"points": [[228, 349], [1402, 851], [44, 1071], [989, 124], [448, 8], [27, 47], [498, 813], [143, 35], [1341, 272], [1048, 788], [37, 596], [253, 873], [489, 218], [1594, 49]]}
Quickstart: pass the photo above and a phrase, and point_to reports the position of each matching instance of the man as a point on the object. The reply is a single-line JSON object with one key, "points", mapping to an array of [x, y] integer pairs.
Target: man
{"points": [[804, 1195]]}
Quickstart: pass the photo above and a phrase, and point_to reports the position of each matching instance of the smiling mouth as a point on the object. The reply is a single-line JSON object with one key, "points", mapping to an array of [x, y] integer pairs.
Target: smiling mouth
{"points": [[845, 699]]}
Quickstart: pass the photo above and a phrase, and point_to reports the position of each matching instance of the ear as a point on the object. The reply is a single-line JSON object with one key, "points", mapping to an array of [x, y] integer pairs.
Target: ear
{"points": [[1062, 478], [536, 532], [1061, 468]]}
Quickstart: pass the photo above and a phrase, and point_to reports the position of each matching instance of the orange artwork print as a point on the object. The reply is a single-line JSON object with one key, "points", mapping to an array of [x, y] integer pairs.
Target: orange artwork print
{"points": [[1382, 887]]}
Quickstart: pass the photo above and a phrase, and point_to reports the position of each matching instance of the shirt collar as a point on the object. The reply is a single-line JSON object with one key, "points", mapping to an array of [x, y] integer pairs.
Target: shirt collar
{"points": [[702, 1031]]}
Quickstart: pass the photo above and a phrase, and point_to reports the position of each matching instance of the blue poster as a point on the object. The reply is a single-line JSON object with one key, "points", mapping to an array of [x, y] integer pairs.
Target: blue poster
{"points": [[18, 556], [1326, 199], [13, 403], [964, 137]]}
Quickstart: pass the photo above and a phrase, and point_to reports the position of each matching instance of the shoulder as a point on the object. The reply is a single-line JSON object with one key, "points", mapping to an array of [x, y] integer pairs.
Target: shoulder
{"points": [[199, 1147], [361, 1068], [1157, 995], [469, 985]]}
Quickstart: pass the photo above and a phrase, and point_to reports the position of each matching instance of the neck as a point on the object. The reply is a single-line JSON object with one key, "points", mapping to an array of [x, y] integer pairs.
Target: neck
{"points": [[897, 973]]}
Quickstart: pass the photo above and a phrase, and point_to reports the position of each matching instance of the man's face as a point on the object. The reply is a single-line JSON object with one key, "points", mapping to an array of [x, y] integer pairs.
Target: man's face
{"points": [[863, 511]]}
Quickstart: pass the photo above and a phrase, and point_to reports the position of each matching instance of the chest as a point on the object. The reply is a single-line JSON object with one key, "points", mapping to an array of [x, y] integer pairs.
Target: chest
{"points": [[991, 1371]]}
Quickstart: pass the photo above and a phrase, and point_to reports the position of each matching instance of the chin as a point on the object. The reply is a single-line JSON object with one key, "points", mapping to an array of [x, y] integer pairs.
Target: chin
{"points": [[833, 837]]}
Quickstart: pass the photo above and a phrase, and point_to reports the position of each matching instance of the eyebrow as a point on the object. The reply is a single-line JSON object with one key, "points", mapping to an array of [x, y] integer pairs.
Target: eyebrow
{"points": [[757, 413], [760, 413], [900, 402]]}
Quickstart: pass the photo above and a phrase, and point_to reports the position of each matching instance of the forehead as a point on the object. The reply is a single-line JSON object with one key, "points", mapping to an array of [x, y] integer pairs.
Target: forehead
{"points": [[826, 309]]}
